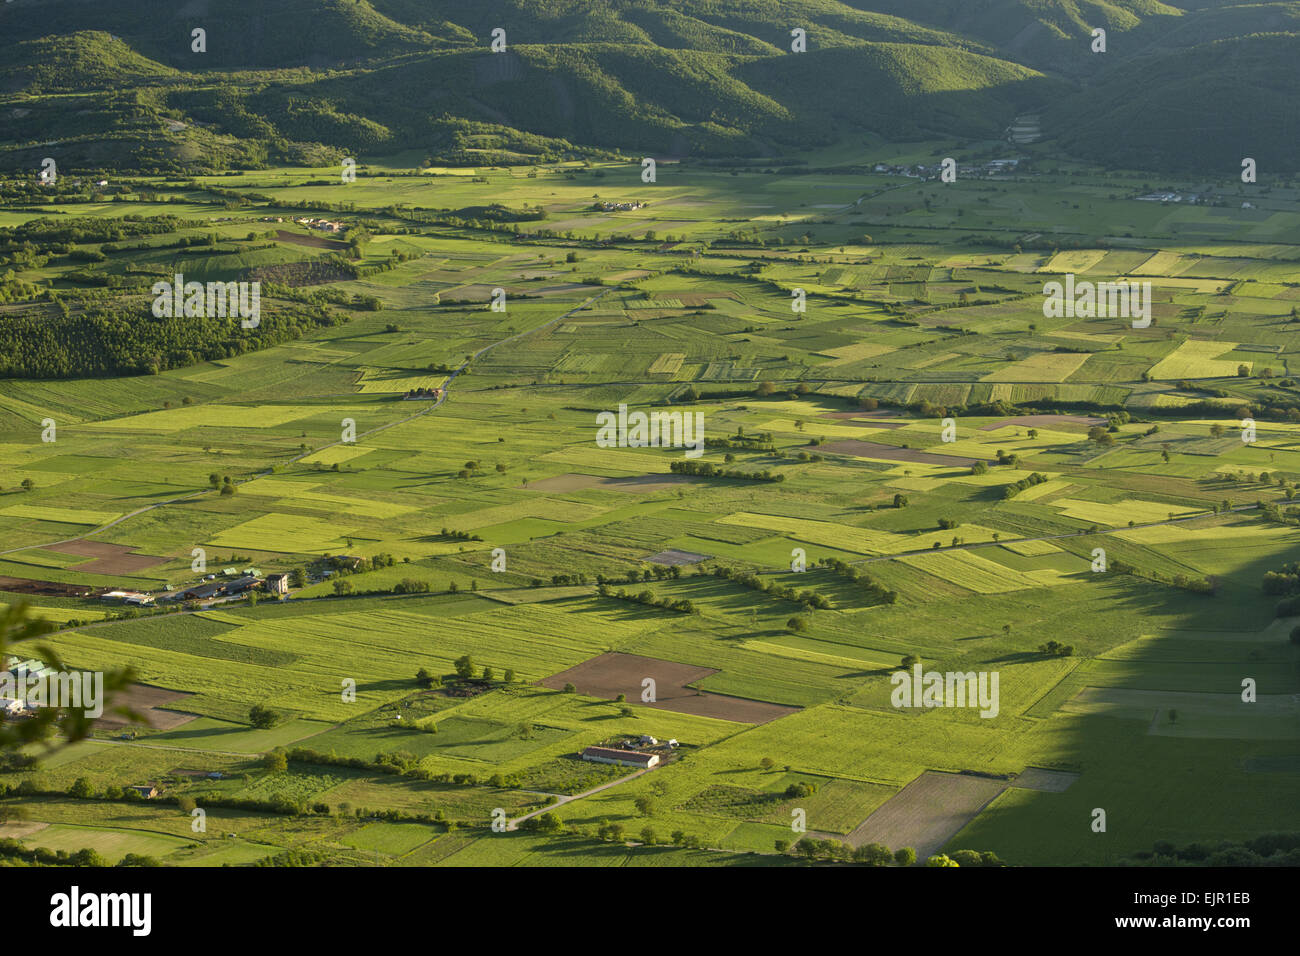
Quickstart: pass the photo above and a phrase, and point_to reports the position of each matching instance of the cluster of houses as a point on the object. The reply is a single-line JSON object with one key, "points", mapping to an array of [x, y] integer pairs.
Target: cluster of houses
{"points": [[232, 583], [994, 167], [619, 206], [324, 225], [641, 753], [422, 394], [1190, 199], [16, 673], [72, 182], [236, 583]]}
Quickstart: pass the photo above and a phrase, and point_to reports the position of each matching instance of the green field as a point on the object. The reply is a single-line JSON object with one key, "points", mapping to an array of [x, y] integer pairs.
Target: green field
{"points": [[493, 525]]}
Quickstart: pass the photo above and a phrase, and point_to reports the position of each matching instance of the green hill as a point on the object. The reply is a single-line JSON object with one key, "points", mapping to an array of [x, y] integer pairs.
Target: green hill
{"points": [[298, 78], [89, 60], [1203, 108]]}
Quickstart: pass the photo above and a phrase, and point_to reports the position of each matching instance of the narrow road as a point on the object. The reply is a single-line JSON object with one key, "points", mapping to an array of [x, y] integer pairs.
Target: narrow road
{"points": [[560, 801]]}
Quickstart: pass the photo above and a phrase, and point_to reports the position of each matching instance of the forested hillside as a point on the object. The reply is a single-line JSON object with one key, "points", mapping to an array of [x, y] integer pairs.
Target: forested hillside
{"points": [[121, 85]]}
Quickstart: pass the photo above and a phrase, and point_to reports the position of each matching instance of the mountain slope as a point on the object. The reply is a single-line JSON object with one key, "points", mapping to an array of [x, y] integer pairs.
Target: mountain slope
{"points": [[296, 78], [1200, 109]]}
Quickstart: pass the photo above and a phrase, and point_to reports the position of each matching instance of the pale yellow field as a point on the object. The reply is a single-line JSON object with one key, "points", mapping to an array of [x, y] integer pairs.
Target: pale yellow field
{"points": [[1121, 513], [819, 428], [211, 416], [972, 572], [1048, 488], [629, 460], [61, 615], [1074, 260], [1162, 264], [1032, 549], [669, 363], [845, 354], [273, 487], [1195, 359], [553, 509], [66, 515], [337, 454], [1043, 367], [386, 380], [284, 533]]}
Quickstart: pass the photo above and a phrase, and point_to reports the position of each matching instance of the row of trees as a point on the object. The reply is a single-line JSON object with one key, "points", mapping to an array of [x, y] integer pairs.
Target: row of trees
{"points": [[705, 469], [874, 588], [808, 598], [647, 598]]}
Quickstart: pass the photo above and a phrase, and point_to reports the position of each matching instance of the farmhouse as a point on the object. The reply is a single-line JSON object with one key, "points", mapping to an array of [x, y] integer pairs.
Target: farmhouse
{"points": [[147, 791], [199, 592], [277, 583], [212, 589], [241, 584], [127, 597], [11, 707], [628, 758]]}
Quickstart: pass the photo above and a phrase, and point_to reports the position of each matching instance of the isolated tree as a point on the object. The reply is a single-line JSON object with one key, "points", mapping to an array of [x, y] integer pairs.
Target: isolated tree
{"points": [[644, 806], [1101, 436], [464, 667], [261, 717]]}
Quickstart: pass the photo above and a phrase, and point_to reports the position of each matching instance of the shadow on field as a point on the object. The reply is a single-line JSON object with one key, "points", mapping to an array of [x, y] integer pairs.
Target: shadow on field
{"points": [[392, 684]]}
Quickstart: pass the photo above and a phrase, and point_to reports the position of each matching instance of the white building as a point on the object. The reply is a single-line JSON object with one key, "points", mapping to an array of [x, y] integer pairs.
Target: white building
{"points": [[628, 758]]}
